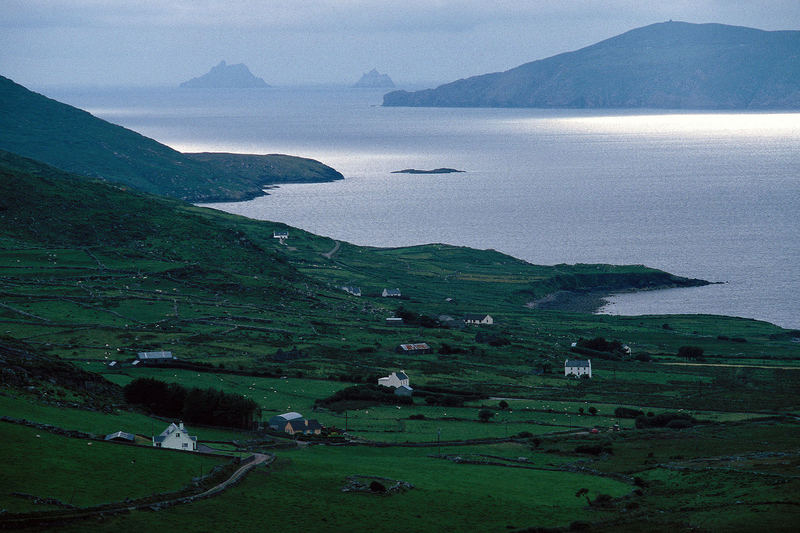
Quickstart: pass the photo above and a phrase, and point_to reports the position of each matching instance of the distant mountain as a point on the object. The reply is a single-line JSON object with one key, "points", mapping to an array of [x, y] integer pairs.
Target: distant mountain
{"points": [[225, 76], [668, 65], [375, 80], [63, 136]]}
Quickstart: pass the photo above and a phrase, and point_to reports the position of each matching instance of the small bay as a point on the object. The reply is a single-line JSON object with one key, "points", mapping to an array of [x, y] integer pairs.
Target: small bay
{"points": [[711, 195]]}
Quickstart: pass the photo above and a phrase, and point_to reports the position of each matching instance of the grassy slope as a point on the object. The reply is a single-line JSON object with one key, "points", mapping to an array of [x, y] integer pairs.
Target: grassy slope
{"points": [[74, 140], [111, 273]]}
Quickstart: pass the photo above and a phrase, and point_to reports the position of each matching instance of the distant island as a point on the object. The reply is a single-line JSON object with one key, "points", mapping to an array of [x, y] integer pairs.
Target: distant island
{"points": [[374, 80], [225, 76], [434, 171], [670, 65]]}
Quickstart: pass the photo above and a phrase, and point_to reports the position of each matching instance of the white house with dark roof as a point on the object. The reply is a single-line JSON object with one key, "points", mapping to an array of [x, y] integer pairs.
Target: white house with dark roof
{"points": [[280, 234], [578, 367], [472, 318], [395, 379], [177, 438], [391, 293], [355, 291]]}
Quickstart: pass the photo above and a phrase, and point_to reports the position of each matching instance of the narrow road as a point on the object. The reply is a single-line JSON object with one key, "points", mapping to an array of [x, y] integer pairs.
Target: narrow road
{"points": [[12, 520], [328, 255]]}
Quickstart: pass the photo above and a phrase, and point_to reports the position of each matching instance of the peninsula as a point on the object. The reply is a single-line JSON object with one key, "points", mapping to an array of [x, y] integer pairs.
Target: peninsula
{"points": [[670, 65], [38, 127]]}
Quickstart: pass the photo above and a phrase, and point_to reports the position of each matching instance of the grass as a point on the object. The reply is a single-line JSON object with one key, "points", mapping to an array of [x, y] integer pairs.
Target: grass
{"points": [[84, 473], [443, 491]]}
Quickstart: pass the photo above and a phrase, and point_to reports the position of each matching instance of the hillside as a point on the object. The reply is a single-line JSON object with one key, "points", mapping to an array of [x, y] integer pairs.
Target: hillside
{"points": [[38, 127], [671, 65], [92, 273], [224, 76]]}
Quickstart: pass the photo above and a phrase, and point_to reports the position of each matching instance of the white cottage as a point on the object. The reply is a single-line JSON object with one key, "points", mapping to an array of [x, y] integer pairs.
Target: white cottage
{"points": [[578, 367], [472, 318], [391, 293], [176, 438], [395, 379]]}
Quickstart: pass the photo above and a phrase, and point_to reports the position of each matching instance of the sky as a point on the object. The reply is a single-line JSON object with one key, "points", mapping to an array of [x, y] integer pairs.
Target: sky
{"points": [[84, 43]]}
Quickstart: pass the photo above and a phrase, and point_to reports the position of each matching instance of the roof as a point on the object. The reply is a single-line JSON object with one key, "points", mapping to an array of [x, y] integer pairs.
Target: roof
{"points": [[474, 316], [313, 424], [401, 375], [412, 347], [577, 363], [155, 355], [120, 435], [289, 416], [392, 291], [284, 233], [405, 387], [297, 424]]}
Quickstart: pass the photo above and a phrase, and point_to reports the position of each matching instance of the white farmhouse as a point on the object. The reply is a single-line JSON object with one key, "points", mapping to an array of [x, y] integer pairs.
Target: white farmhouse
{"points": [[578, 367], [472, 318], [395, 379], [176, 438], [391, 293]]}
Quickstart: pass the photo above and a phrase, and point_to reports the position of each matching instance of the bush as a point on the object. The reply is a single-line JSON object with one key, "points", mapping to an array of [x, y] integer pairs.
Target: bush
{"points": [[594, 449], [643, 357], [363, 396], [485, 414], [677, 421], [601, 345], [417, 417], [377, 486], [627, 412], [592, 410], [690, 352]]}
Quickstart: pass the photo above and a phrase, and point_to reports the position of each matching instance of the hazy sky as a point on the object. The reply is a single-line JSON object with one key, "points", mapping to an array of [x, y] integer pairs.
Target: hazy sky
{"points": [[289, 42]]}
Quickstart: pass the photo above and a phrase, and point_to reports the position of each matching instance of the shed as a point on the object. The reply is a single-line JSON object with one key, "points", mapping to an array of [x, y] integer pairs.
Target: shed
{"points": [[403, 390], [120, 436], [417, 348], [391, 293]]}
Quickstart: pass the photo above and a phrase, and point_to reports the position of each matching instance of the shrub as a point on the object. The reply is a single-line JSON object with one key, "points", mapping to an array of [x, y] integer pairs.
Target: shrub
{"points": [[377, 486], [592, 410], [485, 414], [678, 421], [503, 404], [627, 412], [601, 345], [690, 352], [594, 449], [417, 417]]}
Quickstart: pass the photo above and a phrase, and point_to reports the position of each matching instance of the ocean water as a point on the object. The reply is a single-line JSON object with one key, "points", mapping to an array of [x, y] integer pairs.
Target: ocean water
{"points": [[710, 195]]}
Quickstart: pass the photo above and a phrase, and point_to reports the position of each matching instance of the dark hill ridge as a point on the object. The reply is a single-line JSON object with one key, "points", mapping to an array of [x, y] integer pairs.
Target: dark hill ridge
{"points": [[225, 76], [71, 139], [673, 65]]}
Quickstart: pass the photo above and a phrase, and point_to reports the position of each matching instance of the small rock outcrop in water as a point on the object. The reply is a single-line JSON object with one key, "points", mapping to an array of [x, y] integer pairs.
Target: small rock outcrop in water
{"points": [[375, 80], [434, 171], [225, 76]]}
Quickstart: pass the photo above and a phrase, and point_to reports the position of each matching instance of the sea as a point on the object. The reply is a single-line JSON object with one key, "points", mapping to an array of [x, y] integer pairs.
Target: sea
{"points": [[703, 194]]}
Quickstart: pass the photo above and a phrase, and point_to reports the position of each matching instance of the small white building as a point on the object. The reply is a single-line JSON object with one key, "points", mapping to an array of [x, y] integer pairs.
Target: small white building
{"points": [[395, 379], [391, 293], [578, 367], [355, 291], [177, 438], [478, 319]]}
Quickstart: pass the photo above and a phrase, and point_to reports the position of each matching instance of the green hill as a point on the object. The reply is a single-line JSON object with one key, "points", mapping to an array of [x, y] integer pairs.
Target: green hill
{"points": [[671, 65], [38, 127]]}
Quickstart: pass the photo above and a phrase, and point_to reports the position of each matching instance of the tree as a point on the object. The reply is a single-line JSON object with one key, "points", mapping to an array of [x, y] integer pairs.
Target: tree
{"points": [[585, 493], [592, 410], [503, 404], [485, 414], [690, 352]]}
